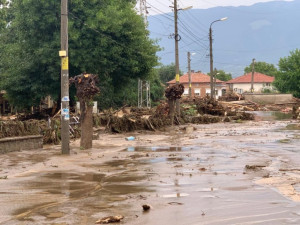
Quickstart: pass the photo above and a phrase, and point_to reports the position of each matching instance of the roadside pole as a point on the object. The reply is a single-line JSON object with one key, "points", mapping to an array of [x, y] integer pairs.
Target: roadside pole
{"points": [[63, 53], [176, 53], [252, 77], [190, 79]]}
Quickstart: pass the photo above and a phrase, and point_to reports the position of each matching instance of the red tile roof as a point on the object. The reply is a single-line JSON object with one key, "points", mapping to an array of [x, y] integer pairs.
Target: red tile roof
{"points": [[258, 78], [195, 78]]}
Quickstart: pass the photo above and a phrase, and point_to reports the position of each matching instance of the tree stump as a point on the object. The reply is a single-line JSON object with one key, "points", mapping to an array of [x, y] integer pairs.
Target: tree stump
{"points": [[86, 89]]}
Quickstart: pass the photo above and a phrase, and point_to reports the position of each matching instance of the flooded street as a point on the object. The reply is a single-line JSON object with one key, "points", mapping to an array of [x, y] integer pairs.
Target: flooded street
{"points": [[224, 173]]}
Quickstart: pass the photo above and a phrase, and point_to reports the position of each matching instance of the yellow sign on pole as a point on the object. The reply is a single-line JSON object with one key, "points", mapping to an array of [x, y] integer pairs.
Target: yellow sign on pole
{"points": [[65, 63], [177, 77]]}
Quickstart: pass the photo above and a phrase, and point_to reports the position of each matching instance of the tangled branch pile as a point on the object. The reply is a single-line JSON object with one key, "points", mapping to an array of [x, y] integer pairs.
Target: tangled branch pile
{"points": [[209, 106], [231, 96], [174, 92], [85, 85], [19, 128]]}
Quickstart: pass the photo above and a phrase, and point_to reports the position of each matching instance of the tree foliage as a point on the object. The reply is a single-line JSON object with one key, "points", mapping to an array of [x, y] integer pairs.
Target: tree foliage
{"points": [[222, 75], [167, 72], [106, 37], [287, 80], [262, 67]]}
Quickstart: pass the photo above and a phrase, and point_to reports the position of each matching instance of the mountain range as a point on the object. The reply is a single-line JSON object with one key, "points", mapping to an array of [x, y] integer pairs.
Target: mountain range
{"points": [[264, 31]]}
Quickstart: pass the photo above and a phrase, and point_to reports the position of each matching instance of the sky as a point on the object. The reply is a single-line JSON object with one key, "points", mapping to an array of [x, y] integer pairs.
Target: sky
{"points": [[162, 6]]}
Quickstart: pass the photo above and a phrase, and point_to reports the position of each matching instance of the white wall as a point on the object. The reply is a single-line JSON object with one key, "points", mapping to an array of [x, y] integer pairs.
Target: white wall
{"points": [[246, 87]]}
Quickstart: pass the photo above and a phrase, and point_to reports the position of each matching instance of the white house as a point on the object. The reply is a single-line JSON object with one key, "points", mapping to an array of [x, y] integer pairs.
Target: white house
{"points": [[243, 83]]}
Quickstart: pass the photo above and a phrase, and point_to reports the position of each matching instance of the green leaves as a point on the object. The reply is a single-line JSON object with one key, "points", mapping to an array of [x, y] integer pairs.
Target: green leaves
{"points": [[287, 80], [106, 37], [262, 67]]}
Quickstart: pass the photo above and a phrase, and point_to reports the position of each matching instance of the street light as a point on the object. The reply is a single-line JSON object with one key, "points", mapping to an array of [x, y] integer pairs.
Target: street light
{"points": [[212, 88]]}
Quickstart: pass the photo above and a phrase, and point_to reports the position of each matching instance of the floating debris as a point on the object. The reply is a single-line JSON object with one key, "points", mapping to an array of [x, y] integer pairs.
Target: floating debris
{"points": [[146, 207], [110, 219]]}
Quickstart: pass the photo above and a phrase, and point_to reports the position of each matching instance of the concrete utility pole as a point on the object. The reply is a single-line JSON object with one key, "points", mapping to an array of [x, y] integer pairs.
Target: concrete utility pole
{"points": [[252, 77], [190, 78], [63, 53], [177, 38]]}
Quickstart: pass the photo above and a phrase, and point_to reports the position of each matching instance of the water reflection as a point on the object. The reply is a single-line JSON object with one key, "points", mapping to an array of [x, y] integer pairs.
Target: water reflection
{"points": [[271, 115], [158, 149]]}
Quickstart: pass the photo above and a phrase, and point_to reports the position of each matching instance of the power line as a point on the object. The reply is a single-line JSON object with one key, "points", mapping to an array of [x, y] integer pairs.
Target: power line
{"points": [[159, 11], [191, 35]]}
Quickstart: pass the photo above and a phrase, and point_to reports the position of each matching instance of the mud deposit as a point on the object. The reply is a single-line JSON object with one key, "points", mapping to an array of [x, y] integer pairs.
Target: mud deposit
{"points": [[225, 173]]}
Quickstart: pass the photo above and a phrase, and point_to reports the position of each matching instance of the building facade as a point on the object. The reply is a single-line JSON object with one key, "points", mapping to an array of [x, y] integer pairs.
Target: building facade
{"points": [[244, 83], [200, 85]]}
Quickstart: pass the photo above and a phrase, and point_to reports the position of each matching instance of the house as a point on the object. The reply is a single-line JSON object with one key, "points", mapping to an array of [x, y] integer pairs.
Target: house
{"points": [[243, 83], [200, 84]]}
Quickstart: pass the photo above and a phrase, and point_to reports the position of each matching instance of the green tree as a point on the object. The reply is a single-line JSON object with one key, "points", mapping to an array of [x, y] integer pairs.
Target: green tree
{"points": [[222, 75], [167, 72], [287, 80], [262, 67], [106, 37]]}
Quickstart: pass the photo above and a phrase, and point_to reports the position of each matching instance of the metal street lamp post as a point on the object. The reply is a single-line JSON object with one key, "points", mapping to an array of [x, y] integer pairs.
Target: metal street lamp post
{"points": [[212, 87]]}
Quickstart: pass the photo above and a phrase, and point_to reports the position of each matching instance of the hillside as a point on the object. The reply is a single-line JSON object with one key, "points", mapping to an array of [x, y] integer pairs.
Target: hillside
{"points": [[264, 31]]}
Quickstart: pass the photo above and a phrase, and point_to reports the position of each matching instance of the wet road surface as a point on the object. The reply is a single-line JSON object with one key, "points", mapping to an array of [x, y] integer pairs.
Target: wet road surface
{"points": [[230, 173]]}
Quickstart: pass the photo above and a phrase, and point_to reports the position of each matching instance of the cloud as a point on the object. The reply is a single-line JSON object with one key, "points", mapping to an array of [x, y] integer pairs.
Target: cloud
{"points": [[159, 6]]}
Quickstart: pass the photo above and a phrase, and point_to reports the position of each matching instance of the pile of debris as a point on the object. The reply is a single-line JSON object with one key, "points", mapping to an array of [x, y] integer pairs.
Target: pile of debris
{"points": [[210, 106], [241, 106], [231, 96], [50, 129], [131, 119], [19, 128], [174, 92]]}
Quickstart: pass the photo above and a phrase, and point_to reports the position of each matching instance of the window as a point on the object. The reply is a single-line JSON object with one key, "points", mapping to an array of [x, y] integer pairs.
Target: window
{"points": [[197, 91], [186, 91]]}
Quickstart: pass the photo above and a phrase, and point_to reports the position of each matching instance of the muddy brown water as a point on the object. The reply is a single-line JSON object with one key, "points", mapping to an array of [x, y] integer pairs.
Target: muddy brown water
{"points": [[198, 178]]}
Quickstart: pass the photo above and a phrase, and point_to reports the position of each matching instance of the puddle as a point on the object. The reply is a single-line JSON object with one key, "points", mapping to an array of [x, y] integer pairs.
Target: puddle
{"points": [[292, 127], [75, 176], [158, 149], [175, 195], [207, 189], [271, 115]]}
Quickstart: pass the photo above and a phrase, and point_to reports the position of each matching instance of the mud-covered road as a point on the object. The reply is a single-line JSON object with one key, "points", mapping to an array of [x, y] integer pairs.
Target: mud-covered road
{"points": [[225, 173]]}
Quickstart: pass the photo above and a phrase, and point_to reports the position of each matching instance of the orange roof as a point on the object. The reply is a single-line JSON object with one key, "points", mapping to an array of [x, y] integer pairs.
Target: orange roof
{"points": [[258, 78], [195, 78]]}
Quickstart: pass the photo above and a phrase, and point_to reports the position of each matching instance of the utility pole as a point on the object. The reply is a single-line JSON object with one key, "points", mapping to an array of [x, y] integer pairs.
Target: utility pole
{"points": [[177, 38], [190, 79], [63, 53], [143, 10], [212, 90], [252, 77]]}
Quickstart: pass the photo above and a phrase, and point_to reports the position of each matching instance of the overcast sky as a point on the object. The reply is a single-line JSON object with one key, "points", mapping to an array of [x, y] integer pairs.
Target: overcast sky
{"points": [[162, 6]]}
